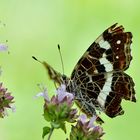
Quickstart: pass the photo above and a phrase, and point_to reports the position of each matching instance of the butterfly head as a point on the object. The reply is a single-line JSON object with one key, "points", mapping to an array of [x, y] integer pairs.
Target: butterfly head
{"points": [[56, 76]]}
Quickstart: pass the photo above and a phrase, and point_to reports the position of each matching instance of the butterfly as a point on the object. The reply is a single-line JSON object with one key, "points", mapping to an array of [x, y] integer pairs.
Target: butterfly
{"points": [[98, 80]]}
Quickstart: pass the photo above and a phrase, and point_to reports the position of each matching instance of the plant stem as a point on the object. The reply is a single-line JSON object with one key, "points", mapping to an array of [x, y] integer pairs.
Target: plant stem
{"points": [[50, 134]]}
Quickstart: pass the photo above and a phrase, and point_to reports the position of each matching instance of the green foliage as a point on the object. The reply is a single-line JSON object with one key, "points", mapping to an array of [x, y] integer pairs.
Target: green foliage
{"points": [[46, 130]]}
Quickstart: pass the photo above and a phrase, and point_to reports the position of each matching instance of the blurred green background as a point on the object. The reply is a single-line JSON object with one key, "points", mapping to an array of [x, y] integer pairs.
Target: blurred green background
{"points": [[35, 27]]}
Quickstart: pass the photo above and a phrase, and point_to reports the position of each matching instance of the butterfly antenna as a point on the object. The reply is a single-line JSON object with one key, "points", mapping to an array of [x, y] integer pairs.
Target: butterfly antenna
{"points": [[36, 59], [61, 58]]}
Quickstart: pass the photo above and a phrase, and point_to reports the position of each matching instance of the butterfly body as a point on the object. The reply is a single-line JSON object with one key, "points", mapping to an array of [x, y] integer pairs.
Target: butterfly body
{"points": [[98, 80]]}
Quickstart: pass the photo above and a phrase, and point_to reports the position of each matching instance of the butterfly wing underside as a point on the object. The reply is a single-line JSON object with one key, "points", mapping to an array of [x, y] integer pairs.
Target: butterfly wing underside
{"points": [[99, 75]]}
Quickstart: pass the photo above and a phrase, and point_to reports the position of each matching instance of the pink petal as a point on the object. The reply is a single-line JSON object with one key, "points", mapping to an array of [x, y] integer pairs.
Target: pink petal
{"points": [[83, 118], [44, 95], [62, 93], [3, 47], [91, 122]]}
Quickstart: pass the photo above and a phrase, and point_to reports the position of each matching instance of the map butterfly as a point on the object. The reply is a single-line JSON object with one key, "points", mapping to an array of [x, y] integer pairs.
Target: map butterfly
{"points": [[98, 79]]}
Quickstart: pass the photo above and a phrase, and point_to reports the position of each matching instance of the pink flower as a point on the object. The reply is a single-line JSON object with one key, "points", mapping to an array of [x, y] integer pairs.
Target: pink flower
{"points": [[86, 129], [60, 104], [62, 93], [84, 120], [43, 93], [3, 47], [6, 101]]}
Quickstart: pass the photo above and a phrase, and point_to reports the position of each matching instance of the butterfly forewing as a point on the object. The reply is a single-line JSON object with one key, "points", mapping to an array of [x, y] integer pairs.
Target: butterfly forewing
{"points": [[110, 52]]}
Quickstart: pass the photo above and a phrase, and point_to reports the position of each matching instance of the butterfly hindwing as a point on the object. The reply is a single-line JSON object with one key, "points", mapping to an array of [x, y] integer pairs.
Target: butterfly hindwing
{"points": [[122, 87]]}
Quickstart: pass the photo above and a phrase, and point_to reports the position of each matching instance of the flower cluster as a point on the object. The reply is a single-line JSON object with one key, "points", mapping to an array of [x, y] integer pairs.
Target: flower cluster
{"points": [[86, 130], [6, 99], [59, 109]]}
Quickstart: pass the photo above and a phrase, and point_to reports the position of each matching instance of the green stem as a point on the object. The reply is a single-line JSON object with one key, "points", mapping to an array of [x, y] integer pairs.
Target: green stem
{"points": [[50, 134]]}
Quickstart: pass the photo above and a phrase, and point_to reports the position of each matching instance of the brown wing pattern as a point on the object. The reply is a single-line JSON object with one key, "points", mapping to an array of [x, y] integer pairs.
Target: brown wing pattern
{"points": [[110, 52], [99, 74], [122, 87]]}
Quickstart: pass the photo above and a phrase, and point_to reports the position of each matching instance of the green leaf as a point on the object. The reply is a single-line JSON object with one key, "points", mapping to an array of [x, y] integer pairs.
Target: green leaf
{"points": [[47, 116], [63, 127], [46, 130], [50, 113]]}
